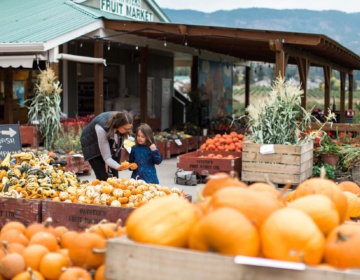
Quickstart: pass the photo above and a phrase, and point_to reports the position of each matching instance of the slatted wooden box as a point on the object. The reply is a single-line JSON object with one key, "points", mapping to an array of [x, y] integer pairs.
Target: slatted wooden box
{"points": [[127, 260], [193, 143], [195, 161], [30, 136], [293, 163], [172, 148], [26, 211]]}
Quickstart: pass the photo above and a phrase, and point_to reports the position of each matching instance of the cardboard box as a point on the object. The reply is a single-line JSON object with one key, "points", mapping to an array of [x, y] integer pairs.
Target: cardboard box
{"points": [[26, 211], [292, 163], [194, 161], [128, 260]]}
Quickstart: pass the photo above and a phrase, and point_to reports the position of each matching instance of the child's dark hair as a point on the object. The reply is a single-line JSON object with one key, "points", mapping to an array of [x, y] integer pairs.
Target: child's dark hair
{"points": [[148, 133]]}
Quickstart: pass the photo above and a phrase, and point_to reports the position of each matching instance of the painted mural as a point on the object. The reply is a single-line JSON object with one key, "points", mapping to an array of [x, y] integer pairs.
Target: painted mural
{"points": [[215, 83]]}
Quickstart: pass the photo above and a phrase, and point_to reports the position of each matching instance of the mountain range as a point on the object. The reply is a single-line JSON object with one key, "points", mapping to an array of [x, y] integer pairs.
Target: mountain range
{"points": [[339, 26]]}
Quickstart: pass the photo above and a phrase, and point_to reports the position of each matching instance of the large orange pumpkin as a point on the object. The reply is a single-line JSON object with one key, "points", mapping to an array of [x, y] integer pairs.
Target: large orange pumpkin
{"points": [[218, 181], [320, 208], [326, 187], [289, 234], [164, 221], [349, 186], [342, 247], [254, 205], [225, 231], [87, 250]]}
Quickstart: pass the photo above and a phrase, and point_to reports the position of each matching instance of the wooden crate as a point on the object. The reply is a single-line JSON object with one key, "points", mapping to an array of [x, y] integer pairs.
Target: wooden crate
{"points": [[193, 143], [30, 136], [194, 161], [292, 163], [174, 149], [76, 216], [26, 211], [128, 260]]}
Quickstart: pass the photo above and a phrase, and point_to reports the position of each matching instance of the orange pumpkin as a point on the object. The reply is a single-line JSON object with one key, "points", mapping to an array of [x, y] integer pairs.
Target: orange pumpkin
{"points": [[320, 208], [108, 229], [353, 210], [29, 274], [225, 231], [289, 234], [100, 273], [87, 250], [218, 181], [75, 273], [33, 254], [341, 248], [36, 227], [166, 221], [46, 239], [52, 265], [326, 187], [12, 264], [349, 186], [66, 238], [254, 205], [14, 236], [14, 225]]}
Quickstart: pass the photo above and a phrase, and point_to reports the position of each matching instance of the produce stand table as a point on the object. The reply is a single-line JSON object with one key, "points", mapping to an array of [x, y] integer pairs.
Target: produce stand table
{"points": [[128, 260], [204, 166]]}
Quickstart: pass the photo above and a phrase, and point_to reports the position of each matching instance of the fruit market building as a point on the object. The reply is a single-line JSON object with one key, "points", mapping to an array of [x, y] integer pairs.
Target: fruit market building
{"points": [[115, 55]]}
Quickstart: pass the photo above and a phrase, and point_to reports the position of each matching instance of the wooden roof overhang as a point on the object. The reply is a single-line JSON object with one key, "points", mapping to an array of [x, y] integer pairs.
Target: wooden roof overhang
{"points": [[277, 47]]}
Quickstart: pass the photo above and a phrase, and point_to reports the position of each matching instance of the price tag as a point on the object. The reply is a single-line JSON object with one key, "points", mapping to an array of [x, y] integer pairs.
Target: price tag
{"points": [[269, 263], [267, 149], [178, 142]]}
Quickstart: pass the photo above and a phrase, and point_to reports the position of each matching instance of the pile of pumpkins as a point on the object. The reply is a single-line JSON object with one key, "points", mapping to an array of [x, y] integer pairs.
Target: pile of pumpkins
{"points": [[314, 224], [41, 251], [224, 142]]}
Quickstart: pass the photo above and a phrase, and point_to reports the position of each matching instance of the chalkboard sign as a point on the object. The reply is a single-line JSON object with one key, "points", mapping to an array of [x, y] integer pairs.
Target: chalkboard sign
{"points": [[10, 140]]}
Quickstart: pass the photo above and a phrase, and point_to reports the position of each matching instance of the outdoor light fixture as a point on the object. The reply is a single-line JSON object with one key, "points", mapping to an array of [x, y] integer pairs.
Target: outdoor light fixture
{"points": [[165, 42], [108, 45], [137, 46], [81, 44]]}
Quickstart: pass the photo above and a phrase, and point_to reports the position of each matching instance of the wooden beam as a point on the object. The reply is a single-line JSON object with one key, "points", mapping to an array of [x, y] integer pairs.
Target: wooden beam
{"points": [[194, 73], [303, 67], [351, 91], [342, 96], [98, 78], [327, 75], [143, 83]]}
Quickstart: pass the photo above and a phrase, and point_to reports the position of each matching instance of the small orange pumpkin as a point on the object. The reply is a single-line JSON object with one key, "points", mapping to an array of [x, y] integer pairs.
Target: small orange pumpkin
{"points": [[53, 264], [33, 254], [353, 210], [218, 181], [75, 273], [349, 186]]}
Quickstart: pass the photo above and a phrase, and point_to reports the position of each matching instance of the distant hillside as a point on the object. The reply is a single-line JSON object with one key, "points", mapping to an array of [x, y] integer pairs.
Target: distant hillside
{"points": [[339, 26]]}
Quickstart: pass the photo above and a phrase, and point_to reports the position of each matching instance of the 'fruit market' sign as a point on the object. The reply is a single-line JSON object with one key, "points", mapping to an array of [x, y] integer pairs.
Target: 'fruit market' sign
{"points": [[127, 8]]}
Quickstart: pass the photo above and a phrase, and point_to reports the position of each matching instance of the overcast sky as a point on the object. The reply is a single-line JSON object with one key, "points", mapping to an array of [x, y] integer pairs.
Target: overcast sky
{"points": [[349, 6]]}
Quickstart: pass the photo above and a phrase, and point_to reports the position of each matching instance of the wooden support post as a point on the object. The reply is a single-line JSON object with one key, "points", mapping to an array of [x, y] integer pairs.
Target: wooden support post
{"points": [[327, 76], [247, 86], [303, 67], [342, 96], [351, 90], [98, 78], [143, 83]]}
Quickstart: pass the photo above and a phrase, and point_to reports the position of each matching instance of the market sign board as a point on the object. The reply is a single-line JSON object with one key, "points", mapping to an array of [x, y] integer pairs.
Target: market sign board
{"points": [[126, 8], [10, 140]]}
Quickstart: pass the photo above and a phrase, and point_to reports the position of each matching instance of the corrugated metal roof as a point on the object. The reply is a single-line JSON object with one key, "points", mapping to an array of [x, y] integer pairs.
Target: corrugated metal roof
{"points": [[40, 20]]}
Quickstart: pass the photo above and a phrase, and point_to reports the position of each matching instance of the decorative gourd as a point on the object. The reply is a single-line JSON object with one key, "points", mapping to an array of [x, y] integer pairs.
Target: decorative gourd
{"points": [[349, 186], [165, 221], [353, 210], [218, 181], [320, 208], [225, 231], [87, 250], [289, 234], [254, 205], [342, 247], [326, 187]]}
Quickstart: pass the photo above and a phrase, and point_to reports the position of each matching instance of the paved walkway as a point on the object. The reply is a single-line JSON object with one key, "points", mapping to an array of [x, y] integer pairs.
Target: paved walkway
{"points": [[166, 172]]}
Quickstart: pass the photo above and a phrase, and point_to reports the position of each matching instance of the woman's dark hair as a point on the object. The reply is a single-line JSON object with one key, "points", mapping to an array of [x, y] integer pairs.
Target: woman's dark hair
{"points": [[148, 133], [118, 119]]}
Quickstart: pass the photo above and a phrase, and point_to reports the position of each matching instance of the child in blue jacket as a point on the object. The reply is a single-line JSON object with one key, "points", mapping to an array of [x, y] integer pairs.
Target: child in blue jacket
{"points": [[145, 154]]}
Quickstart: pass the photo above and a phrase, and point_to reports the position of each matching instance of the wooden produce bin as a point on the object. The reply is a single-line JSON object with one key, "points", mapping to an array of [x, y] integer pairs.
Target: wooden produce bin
{"points": [[76, 216], [194, 161], [193, 143], [77, 164], [161, 146], [30, 136], [128, 260], [292, 163], [174, 149], [26, 211]]}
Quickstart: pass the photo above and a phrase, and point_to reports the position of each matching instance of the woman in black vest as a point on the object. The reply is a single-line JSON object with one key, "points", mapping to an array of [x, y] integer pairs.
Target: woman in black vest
{"points": [[101, 142]]}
